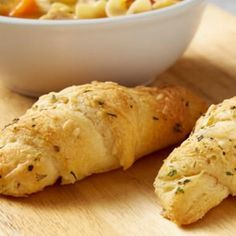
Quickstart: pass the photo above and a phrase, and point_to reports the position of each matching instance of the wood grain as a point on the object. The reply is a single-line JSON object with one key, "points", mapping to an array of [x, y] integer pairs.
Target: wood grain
{"points": [[124, 203]]}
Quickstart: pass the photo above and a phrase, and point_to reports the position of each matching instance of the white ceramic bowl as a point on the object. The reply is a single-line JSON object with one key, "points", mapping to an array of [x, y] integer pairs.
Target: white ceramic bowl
{"points": [[40, 56]]}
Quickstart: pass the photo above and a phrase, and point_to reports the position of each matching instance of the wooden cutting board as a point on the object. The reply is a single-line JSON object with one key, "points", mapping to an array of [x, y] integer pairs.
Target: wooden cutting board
{"points": [[123, 203]]}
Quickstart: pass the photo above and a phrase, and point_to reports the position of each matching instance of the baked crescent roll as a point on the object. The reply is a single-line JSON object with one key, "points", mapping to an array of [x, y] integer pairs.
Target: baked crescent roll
{"points": [[200, 173], [91, 129]]}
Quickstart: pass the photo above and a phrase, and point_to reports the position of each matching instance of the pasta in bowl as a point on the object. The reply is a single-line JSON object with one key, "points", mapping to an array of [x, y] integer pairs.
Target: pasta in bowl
{"points": [[79, 9]]}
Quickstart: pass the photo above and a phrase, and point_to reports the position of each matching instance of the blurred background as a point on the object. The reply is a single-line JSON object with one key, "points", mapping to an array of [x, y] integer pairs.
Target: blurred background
{"points": [[229, 5]]}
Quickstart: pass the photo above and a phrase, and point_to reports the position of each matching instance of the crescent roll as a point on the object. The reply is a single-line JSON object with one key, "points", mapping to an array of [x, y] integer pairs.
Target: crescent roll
{"points": [[199, 174], [89, 129]]}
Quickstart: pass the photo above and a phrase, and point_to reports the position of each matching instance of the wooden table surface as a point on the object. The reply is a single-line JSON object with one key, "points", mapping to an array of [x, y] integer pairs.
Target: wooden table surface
{"points": [[124, 203]]}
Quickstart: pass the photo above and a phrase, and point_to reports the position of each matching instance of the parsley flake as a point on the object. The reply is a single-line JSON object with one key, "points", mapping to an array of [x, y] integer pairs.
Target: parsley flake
{"points": [[229, 173], [179, 190], [172, 173]]}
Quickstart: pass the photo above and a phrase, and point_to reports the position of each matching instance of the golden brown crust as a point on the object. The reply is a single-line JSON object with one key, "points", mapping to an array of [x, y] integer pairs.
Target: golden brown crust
{"points": [[202, 171], [90, 129]]}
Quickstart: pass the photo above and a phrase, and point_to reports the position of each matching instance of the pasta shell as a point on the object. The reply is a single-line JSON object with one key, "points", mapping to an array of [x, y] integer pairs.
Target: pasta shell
{"points": [[140, 6], [90, 9], [45, 5], [59, 11], [163, 3], [117, 7]]}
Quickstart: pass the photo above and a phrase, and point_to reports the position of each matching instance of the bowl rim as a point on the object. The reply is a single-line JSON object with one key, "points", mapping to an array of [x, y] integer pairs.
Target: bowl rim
{"points": [[167, 11]]}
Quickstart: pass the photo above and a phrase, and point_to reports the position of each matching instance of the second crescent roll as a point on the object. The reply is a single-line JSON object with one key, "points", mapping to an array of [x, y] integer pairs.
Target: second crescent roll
{"points": [[90, 129], [199, 174]]}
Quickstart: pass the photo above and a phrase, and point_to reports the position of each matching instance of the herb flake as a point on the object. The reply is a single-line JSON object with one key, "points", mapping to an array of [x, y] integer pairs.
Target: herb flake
{"points": [[87, 90], [53, 98], [179, 190], [186, 181], [30, 167], [56, 148], [172, 173], [40, 176], [178, 128], [111, 114], [229, 173], [74, 175], [15, 120], [101, 103], [199, 138]]}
